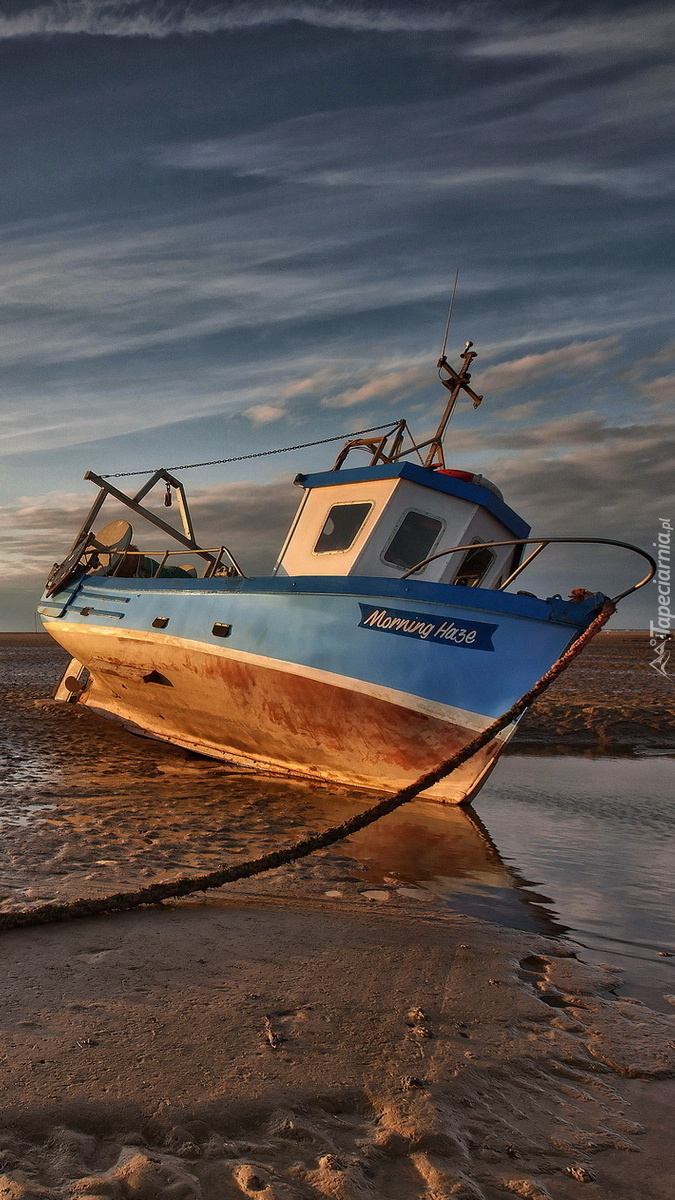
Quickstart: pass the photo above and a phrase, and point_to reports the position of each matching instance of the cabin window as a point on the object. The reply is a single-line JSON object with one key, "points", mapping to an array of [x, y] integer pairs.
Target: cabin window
{"points": [[343, 523], [475, 566], [413, 540]]}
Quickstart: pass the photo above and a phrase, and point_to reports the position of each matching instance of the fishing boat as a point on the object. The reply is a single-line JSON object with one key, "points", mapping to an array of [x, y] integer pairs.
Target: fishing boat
{"points": [[387, 635]]}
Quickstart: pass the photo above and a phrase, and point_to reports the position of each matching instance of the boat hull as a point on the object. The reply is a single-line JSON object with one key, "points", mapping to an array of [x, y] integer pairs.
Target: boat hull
{"points": [[309, 680]]}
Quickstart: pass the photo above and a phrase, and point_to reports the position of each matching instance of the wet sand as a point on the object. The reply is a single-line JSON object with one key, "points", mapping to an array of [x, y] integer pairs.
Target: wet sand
{"points": [[302, 1035], [271, 1048], [610, 700]]}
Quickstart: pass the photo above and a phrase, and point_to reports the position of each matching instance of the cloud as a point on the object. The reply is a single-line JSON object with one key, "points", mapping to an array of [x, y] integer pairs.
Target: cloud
{"points": [[263, 414], [626, 34], [312, 383], [616, 35], [391, 384], [558, 438], [544, 128], [666, 354], [661, 390], [519, 372], [251, 518], [106, 322], [143, 18], [247, 157], [36, 531], [518, 412], [574, 429], [333, 234], [614, 483], [90, 292]]}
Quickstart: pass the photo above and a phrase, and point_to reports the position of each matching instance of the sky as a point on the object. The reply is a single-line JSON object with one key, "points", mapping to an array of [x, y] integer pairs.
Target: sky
{"points": [[229, 228]]}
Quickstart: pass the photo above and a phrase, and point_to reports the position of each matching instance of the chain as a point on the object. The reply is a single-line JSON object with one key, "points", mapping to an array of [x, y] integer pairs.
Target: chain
{"points": [[215, 462]]}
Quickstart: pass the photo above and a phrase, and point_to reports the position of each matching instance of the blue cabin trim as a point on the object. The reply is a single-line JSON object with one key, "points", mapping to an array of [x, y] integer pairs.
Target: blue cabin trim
{"points": [[472, 492]]}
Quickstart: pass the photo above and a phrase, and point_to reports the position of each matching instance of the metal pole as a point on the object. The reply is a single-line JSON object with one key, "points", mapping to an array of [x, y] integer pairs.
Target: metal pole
{"points": [[148, 515], [447, 323]]}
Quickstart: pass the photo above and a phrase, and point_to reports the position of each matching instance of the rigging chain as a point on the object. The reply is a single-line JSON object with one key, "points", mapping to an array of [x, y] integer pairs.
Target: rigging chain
{"points": [[214, 462]]}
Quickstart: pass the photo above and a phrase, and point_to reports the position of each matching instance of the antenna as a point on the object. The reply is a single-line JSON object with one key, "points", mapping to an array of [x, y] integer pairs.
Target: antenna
{"points": [[447, 323]]}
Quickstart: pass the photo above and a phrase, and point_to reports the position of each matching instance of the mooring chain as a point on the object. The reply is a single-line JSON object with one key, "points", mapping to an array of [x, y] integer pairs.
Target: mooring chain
{"points": [[174, 889]]}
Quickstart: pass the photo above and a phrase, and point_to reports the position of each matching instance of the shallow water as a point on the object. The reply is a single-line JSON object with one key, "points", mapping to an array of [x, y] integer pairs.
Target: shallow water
{"points": [[576, 846], [599, 833]]}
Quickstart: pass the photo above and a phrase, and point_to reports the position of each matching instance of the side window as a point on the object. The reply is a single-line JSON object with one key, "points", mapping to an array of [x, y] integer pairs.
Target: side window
{"points": [[342, 525], [474, 566], [413, 540]]}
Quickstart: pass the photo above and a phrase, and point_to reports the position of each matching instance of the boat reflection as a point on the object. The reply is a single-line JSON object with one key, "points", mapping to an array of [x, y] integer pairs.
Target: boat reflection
{"points": [[450, 853]]}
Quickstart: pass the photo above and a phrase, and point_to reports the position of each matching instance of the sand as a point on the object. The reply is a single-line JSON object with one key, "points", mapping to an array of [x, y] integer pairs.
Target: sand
{"points": [[276, 1048], [301, 1036], [610, 700]]}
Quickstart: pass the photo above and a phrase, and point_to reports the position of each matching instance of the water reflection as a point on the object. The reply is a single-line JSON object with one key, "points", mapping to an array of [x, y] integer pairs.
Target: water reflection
{"points": [[87, 808], [101, 827], [602, 836], [450, 853]]}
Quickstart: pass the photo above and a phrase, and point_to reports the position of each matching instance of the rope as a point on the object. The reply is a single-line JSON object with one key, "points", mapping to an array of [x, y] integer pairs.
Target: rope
{"points": [[155, 893], [215, 462]]}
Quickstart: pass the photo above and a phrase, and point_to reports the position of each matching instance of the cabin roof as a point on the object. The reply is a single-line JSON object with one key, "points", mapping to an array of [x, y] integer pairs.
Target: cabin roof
{"points": [[472, 492]]}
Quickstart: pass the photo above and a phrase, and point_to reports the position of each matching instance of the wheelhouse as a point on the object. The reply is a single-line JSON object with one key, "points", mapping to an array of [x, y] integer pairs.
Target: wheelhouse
{"points": [[385, 519]]}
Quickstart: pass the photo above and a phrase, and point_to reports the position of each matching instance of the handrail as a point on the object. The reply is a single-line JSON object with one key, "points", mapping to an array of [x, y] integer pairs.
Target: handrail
{"points": [[183, 550], [212, 567], [541, 544]]}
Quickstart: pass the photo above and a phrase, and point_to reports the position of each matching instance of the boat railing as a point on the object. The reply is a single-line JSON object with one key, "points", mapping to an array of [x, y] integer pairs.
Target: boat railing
{"points": [[154, 562], [541, 544]]}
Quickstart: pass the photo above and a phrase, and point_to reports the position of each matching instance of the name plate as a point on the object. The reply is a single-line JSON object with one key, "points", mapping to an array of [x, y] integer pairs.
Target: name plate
{"points": [[427, 627]]}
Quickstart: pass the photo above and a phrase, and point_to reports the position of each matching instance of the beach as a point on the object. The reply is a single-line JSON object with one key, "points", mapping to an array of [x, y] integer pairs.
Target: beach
{"points": [[273, 1049], [609, 700], [327, 1030]]}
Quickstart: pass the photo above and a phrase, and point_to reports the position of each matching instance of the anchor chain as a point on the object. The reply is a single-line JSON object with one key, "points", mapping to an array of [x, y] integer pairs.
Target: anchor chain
{"points": [[174, 889]]}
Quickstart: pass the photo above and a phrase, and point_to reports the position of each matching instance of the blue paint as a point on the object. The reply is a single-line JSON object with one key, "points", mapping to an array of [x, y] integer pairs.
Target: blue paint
{"points": [[472, 492], [484, 599], [427, 627], [316, 623]]}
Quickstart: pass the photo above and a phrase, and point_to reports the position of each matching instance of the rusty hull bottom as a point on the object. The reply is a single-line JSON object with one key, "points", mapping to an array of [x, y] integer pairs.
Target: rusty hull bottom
{"points": [[273, 720]]}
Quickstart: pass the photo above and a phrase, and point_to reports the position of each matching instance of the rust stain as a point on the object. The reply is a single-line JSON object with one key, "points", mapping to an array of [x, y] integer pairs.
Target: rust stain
{"points": [[222, 704]]}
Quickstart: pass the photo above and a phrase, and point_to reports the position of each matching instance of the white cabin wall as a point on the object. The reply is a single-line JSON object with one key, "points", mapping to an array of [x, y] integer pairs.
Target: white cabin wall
{"points": [[279, 569], [297, 558], [487, 528], [391, 499], [456, 515]]}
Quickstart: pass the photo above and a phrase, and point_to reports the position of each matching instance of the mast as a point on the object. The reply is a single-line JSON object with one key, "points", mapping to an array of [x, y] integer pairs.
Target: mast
{"points": [[456, 382]]}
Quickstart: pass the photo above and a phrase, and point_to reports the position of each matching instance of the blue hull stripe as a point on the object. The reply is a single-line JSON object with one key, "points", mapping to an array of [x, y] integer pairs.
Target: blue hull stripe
{"points": [[323, 631]]}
